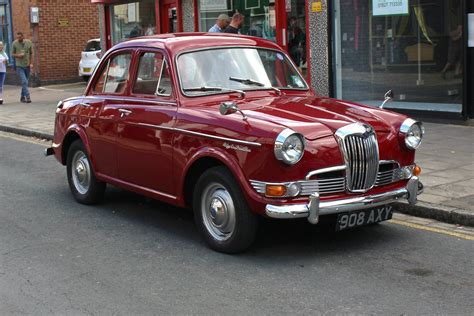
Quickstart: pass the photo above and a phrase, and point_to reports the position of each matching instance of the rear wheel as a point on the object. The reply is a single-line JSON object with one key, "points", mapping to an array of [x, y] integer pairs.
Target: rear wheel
{"points": [[81, 178], [86, 78], [221, 212]]}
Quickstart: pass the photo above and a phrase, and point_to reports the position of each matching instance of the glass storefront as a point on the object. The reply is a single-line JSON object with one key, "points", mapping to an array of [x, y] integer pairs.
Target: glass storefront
{"points": [[132, 20], [413, 47], [260, 16], [260, 19], [5, 28]]}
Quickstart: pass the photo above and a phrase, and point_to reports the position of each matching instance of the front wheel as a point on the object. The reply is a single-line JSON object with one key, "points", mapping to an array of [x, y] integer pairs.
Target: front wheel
{"points": [[81, 178], [221, 212]]}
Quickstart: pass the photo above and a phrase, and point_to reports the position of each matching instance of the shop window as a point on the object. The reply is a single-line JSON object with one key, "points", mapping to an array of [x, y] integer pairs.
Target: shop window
{"points": [[132, 20], [415, 48], [259, 16], [4, 29]]}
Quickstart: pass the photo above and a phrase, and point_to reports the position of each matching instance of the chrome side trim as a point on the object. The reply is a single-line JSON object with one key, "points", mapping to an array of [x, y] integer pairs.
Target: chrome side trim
{"points": [[184, 131]]}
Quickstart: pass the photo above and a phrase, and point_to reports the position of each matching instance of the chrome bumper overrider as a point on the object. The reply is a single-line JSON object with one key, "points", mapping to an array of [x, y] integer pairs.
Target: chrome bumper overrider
{"points": [[314, 208]]}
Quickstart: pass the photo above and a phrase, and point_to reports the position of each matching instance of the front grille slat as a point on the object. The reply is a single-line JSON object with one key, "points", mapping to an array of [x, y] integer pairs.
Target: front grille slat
{"points": [[361, 157]]}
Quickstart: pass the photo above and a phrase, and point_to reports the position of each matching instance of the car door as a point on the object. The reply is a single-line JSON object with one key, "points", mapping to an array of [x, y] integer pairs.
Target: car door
{"points": [[145, 127], [101, 107]]}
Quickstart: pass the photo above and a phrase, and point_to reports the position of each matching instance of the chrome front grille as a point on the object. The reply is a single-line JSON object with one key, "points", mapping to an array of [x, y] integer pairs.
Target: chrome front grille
{"points": [[386, 177], [358, 144]]}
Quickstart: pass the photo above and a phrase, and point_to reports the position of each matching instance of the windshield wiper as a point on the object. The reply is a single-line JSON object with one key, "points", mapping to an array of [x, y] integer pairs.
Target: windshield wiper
{"points": [[207, 88], [251, 82]]}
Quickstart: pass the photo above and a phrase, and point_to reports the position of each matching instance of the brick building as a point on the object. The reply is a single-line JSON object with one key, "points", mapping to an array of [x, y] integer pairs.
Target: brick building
{"points": [[60, 34]]}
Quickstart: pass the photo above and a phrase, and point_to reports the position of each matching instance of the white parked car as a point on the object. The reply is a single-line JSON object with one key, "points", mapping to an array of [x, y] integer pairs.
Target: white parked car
{"points": [[89, 58]]}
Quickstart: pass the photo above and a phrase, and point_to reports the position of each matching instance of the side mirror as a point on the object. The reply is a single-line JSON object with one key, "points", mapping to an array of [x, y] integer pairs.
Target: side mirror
{"points": [[230, 107], [227, 108], [389, 95]]}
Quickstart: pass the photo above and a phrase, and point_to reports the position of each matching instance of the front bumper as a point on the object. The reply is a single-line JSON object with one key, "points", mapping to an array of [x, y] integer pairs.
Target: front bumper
{"points": [[314, 208]]}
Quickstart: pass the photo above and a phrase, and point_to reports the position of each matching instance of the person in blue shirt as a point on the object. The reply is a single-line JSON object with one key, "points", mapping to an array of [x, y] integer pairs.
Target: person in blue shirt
{"points": [[221, 23]]}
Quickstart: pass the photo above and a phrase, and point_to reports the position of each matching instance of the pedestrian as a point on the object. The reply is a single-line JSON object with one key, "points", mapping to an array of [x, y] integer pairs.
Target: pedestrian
{"points": [[22, 51], [3, 69], [221, 23], [235, 24]]}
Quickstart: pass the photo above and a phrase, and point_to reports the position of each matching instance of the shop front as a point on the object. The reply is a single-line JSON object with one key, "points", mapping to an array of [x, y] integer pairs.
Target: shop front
{"points": [[416, 48], [284, 22]]}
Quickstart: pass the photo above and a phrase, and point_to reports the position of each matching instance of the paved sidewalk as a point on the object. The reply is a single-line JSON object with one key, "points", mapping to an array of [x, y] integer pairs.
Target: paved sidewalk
{"points": [[446, 155]]}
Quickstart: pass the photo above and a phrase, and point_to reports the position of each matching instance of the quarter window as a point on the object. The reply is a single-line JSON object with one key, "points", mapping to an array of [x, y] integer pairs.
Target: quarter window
{"points": [[153, 76]]}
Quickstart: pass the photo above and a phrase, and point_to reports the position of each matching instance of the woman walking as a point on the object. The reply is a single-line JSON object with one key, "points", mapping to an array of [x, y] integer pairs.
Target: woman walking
{"points": [[3, 70]]}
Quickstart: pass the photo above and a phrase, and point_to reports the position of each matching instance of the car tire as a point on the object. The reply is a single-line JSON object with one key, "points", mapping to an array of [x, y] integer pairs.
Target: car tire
{"points": [[221, 212], [86, 78], [81, 178]]}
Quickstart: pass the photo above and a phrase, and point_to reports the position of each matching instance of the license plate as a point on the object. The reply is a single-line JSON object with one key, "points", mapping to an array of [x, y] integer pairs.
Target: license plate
{"points": [[86, 69], [364, 217]]}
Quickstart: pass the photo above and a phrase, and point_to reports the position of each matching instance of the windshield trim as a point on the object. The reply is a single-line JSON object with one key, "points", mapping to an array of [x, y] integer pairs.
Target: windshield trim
{"points": [[306, 88]]}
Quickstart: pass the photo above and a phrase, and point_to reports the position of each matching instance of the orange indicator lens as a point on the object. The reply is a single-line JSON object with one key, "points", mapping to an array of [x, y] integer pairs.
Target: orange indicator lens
{"points": [[275, 190], [417, 170]]}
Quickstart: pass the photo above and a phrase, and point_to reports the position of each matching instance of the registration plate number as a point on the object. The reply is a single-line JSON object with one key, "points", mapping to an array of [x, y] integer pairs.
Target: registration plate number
{"points": [[87, 69], [364, 217]]}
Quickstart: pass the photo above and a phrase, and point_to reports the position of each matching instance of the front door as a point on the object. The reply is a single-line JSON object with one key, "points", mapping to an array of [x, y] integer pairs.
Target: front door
{"points": [[145, 135]]}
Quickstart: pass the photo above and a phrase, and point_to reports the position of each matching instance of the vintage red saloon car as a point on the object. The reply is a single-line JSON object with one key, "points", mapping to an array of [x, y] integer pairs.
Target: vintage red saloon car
{"points": [[227, 126]]}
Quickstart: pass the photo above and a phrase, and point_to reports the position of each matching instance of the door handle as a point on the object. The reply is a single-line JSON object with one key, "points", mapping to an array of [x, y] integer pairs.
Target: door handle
{"points": [[124, 112]]}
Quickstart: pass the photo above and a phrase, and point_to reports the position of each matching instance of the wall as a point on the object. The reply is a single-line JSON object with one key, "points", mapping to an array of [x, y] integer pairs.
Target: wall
{"points": [[58, 49]]}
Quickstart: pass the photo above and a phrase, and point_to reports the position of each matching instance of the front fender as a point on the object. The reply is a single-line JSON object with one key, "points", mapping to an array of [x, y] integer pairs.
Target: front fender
{"points": [[226, 159]]}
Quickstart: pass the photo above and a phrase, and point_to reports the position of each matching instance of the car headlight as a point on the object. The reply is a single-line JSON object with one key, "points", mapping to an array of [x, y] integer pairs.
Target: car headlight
{"points": [[289, 146], [413, 132]]}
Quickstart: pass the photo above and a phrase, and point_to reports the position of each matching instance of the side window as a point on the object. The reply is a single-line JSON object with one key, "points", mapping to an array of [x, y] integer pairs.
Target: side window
{"points": [[153, 76], [117, 74]]}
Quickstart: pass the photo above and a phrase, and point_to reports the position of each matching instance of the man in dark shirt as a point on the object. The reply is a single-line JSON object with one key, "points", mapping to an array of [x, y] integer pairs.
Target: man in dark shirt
{"points": [[235, 24]]}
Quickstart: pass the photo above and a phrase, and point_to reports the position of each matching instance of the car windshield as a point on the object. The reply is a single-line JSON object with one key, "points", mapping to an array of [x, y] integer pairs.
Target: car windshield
{"points": [[228, 70]]}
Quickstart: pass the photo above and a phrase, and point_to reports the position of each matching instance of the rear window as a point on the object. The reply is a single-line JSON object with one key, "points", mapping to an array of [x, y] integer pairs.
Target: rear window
{"points": [[92, 46]]}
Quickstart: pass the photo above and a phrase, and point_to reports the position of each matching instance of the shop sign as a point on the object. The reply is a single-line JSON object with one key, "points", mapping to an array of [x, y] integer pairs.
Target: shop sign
{"points": [[317, 6], [389, 7], [63, 22], [214, 5]]}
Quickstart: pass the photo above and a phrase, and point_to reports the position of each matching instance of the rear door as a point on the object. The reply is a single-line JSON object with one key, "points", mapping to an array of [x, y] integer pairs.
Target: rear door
{"points": [[145, 127]]}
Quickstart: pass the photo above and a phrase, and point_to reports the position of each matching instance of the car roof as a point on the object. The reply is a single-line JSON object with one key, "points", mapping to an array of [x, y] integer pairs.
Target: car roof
{"points": [[176, 43]]}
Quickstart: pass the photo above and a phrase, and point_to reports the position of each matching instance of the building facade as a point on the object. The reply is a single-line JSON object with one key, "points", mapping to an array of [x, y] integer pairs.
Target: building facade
{"points": [[349, 49], [59, 30]]}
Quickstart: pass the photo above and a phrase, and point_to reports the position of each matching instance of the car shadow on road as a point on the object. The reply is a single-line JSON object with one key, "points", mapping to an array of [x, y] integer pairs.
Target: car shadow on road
{"points": [[276, 238]]}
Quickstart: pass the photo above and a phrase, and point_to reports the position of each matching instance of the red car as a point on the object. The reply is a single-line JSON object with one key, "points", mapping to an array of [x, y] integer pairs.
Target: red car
{"points": [[227, 126]]}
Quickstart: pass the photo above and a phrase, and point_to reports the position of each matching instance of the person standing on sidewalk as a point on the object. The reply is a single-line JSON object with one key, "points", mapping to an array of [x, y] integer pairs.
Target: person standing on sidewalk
{"points": [[22, 50], [3, 70]]}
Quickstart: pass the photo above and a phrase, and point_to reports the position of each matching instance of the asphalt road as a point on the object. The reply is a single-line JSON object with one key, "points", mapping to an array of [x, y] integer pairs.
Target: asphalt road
{"points": [[131, 255]]}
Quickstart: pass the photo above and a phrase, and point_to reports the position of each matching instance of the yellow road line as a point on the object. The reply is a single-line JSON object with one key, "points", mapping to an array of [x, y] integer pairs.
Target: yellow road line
{"points": [[24, 139], [432, 229]]}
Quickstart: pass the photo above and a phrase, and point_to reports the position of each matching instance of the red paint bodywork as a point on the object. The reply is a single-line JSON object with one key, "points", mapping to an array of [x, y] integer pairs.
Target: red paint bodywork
{"points": [[155, 162]]}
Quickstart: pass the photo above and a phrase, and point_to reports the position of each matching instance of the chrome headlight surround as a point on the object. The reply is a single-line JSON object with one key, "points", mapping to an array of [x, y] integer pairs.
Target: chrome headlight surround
{"points": [[413, 132], [289, 146]]}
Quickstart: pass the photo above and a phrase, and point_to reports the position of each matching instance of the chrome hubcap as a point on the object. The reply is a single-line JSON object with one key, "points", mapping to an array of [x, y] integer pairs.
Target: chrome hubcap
{"points": [[81, 173], [218, 211]]}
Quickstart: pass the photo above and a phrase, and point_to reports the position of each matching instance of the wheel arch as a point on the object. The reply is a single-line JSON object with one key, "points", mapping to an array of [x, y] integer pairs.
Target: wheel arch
{"points": [[204, 160], [73, 134]]}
